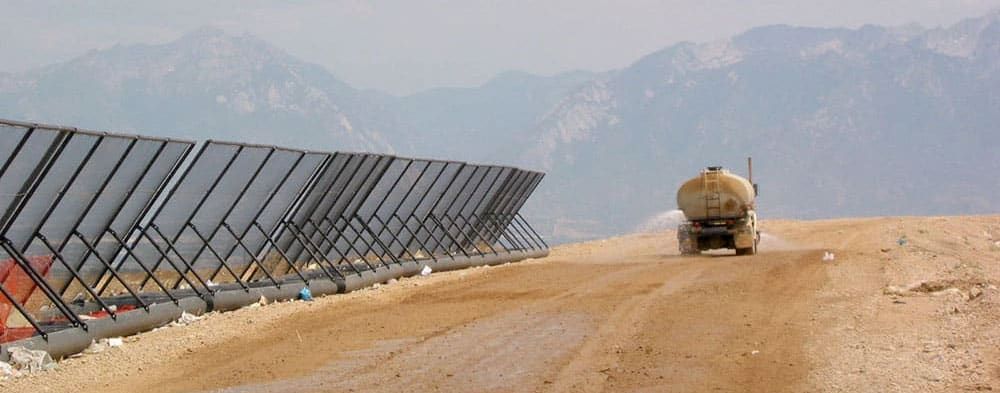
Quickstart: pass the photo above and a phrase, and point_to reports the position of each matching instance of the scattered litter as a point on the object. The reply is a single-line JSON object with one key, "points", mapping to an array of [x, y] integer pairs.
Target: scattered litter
{"points": [[6, 371], [30, 360], [828, 256], [950, 292], [426, 271], [186, 319], [391, 281], [902, 241], [895, 291], [376, 286], [95, 347], [262, 301], [305, 294], [754, 352], [115, 342]]}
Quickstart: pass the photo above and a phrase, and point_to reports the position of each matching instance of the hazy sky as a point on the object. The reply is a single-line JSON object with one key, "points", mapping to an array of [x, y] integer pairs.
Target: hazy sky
{"points": [[401, 46]]}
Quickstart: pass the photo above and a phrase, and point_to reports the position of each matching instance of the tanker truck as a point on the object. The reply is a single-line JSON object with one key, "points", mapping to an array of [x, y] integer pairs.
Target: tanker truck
{"points": [[719, 210]]}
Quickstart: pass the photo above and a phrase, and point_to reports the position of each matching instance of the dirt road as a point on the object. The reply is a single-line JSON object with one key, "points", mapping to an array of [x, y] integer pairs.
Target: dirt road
{"points": [[908, 304]]}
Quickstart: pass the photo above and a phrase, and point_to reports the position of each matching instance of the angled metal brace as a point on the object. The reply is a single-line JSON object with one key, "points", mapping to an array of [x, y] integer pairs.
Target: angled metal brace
{"points": [[406, 226], [268, 239], [318, 258], [25, 266], [113, 272], [333, 246], [222, 262], [76, 276]]}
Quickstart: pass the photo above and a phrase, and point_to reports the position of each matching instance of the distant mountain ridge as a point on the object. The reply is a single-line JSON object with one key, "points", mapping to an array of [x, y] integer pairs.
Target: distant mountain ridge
{"points": [[238, 87], [842, 122]]}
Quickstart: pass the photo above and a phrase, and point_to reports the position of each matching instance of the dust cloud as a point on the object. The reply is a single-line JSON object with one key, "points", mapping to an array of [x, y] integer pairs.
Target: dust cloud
{"points": [[775, 243], [661, 221]]}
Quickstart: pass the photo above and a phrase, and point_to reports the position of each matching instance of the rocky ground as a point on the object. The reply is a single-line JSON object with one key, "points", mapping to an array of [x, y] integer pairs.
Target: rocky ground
{"points": [[905, 304]]}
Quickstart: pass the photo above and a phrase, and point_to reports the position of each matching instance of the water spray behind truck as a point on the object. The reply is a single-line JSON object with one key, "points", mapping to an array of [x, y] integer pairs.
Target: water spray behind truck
{"points": [[719, 208]]}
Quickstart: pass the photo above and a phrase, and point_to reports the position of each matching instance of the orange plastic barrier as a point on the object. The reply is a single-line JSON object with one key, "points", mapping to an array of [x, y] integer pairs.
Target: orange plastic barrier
{"points": [[17, 282]]}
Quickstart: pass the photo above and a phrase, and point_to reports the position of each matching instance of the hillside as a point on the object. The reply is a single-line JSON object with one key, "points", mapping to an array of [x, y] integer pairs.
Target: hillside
{"points": [[842, 122], [204, 85], [873, 121]]}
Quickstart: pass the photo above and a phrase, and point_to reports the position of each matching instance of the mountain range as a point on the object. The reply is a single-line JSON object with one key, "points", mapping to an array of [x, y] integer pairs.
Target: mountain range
{"points": [[840, 122]]}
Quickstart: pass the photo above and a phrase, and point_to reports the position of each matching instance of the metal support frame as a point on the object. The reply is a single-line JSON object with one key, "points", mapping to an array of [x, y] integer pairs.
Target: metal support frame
{"points": [[405, 224], [395, 239], [53, 297], [222, 262], [229, 211], [377, 209], [455, 241], [253, 256], [318, 257], [375, 177], [129, 251], [134, 224], [437, 202], [445, 211], [465, 203], [333, 247], [486, 196], [268, 239], [76, 276], [451, 203], [406, 247], [505, 199], [131, 291]]}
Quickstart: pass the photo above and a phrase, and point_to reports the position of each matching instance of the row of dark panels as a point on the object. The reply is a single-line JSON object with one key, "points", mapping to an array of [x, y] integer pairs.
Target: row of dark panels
{"points": [[92, 216]]}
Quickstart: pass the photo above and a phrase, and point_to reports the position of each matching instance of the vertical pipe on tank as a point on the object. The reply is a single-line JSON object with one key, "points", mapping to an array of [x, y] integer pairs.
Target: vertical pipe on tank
{"points": [[750, 169]]}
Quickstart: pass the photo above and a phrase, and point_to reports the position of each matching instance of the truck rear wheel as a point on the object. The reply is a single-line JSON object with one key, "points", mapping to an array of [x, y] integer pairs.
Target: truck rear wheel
{"points": [[688, 244], [748, 250]]}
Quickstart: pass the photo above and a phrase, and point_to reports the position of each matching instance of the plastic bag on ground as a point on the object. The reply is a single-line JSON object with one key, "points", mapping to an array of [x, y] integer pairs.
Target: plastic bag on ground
{"points": [[30, 360], [7, 371], [115, 342], [828, 256], [306, 294], [426, 271], [186, 319]]}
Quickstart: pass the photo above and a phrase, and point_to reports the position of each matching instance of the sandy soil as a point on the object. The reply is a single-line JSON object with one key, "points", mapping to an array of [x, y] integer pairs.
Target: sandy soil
{"points": [[623, 314]]}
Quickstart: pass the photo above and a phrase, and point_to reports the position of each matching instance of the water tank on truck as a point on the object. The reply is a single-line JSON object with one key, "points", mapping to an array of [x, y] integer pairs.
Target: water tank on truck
{"points": [[719, 209]]}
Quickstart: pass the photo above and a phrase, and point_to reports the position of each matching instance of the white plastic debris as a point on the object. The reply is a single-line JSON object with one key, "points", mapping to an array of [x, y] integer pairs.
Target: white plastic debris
{"points": [[828, 256], [186, 319], [30, 360], [209, 283], [115, 342], [7, 371], [426, 271], [96, 347]]}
